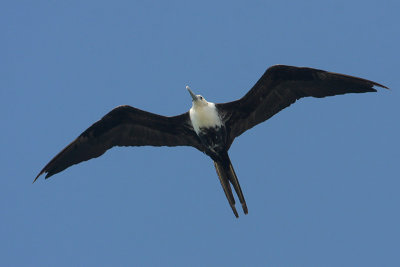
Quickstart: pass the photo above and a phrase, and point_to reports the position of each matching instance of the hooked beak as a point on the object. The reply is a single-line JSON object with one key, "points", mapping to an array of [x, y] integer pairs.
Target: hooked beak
{"points": [[191, 93]]}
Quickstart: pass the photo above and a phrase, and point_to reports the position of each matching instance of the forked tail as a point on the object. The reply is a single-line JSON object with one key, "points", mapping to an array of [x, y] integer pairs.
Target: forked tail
{"points": [[227, 174]]}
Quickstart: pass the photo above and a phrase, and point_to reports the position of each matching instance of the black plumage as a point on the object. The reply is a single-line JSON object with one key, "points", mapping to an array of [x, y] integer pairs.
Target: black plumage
{"points": [[278, 88]]}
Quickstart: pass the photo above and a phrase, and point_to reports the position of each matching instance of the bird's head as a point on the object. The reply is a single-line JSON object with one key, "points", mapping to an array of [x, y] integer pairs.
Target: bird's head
{"points": [[198, 100]]}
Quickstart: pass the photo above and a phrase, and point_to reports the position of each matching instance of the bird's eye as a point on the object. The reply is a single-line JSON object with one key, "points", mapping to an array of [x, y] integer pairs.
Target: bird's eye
{"points": [[201, 97]]}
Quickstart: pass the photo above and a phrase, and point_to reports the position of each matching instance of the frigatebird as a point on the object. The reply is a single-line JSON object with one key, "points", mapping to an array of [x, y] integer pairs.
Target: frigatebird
{"points": [[209, 127]]}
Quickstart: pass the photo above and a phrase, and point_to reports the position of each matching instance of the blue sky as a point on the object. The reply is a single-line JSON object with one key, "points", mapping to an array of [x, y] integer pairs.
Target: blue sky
{"points": [[321, 178]]}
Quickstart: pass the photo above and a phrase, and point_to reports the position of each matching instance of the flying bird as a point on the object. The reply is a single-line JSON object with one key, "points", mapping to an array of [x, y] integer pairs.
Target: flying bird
{"points": [[209, 127]]}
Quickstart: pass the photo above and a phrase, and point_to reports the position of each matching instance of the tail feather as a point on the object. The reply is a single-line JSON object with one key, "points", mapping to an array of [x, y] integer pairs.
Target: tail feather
{"points": [[227, 174], [235, 182], [226, 186]]}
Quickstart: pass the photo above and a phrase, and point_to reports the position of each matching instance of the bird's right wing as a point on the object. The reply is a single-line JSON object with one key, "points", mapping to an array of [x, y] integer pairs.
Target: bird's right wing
{"points": [[281, 86], [124, 126]]}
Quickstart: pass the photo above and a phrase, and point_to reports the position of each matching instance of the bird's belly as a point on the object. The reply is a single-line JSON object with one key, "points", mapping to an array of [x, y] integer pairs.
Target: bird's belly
{"points": [[214, 139]]}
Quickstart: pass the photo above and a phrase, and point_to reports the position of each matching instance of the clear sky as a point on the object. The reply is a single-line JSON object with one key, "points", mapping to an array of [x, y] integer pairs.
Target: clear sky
{"points": [[321, 178]]}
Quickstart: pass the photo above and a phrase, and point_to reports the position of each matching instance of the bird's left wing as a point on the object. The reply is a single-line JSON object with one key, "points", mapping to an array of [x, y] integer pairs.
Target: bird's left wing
{"points": [[124, 126], [281, 86]]}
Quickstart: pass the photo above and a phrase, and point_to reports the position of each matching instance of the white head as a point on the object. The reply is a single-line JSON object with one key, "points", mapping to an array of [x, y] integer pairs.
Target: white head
{"points": [[198, 100]]}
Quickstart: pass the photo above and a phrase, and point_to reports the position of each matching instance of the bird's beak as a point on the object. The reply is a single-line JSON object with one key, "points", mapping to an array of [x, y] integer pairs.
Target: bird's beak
{"points": [[191, 93]]}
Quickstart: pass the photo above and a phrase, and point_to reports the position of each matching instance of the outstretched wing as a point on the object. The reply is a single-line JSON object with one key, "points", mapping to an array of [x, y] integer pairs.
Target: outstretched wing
{"points": [[124, 126], [281, 86]]}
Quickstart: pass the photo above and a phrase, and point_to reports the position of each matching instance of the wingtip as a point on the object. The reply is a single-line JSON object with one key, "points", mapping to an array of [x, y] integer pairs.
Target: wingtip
{"points": [[40, 173], [380, 85]]}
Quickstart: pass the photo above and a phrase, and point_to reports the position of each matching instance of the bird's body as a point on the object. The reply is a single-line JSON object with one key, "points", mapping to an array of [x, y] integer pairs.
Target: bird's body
{"points": [[207, 124], [210, 128]]}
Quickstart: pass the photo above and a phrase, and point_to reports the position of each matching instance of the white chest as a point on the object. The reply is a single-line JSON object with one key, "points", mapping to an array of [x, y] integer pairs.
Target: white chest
{"points": [[204, 117]]}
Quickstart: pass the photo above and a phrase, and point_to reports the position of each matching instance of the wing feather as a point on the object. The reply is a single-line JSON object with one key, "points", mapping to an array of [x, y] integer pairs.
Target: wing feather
{"points": [[124, 126], [281, 86]]}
